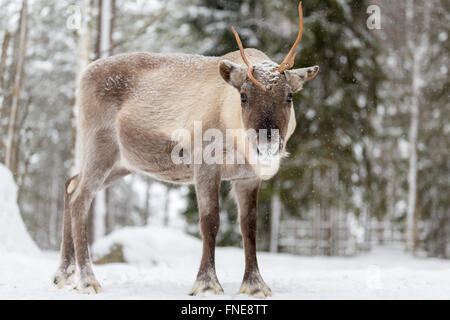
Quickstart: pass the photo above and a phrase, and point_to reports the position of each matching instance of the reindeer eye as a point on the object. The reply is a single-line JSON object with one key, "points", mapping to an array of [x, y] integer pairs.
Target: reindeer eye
{"points": [[290, 97], [244, 97]]}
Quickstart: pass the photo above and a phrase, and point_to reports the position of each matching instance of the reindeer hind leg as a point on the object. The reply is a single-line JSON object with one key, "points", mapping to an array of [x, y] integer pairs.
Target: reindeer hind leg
{"points": [[66, 271], [97, 165]]}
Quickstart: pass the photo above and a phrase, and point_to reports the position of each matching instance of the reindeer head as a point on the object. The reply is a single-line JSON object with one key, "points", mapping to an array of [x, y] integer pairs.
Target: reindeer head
{"points": [[266, 91]]}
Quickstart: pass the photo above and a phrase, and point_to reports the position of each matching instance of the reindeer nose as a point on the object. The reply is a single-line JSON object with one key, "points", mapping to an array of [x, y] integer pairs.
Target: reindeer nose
{"points": [[272, 133], [268, 124]]}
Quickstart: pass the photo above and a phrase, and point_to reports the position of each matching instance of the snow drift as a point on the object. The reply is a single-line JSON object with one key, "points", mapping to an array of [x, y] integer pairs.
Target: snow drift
{"points": [[14, 236], [146, 245]]}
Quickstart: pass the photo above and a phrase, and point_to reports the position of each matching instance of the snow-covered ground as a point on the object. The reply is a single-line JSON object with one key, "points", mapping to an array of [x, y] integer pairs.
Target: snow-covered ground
{"points": [[385, 273], [13, 233]]}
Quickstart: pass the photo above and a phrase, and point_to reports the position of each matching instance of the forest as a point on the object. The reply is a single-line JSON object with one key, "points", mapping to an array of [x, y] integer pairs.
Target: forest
{"points": [[369, 161]]}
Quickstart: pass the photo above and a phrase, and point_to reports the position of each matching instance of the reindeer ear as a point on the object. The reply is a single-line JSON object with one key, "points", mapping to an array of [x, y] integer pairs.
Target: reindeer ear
{"points": [[297, 77], [232, 73]]}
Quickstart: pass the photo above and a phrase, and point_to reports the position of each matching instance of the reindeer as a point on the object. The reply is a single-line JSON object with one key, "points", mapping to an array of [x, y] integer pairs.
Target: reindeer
{"points": [[130, 105]]}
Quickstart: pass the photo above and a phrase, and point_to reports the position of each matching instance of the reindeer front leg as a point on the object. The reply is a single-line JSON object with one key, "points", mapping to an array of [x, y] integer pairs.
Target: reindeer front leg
{"points": [[207, 185], [246, 193]]}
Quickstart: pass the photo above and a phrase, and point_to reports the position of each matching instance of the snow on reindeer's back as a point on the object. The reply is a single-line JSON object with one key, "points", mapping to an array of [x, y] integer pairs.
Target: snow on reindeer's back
{"points": [[14, 236]]}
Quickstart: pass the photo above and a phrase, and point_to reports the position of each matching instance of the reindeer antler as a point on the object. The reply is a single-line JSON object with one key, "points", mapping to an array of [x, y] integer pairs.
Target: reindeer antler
{"points": [[288, 62], [250, 67]]}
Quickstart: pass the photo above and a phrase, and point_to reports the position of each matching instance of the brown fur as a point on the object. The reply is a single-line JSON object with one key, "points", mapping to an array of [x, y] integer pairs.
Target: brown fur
{"points": [[130, 105]]}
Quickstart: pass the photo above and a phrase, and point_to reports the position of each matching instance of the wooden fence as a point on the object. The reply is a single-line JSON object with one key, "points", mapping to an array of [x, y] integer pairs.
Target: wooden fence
{"points": [[340, 236]]}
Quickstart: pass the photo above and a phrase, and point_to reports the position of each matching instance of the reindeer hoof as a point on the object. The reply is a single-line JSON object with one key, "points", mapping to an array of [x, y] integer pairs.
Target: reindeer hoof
{"points": [[207, 287], [255, 287], [64, 277], [88, 286]]}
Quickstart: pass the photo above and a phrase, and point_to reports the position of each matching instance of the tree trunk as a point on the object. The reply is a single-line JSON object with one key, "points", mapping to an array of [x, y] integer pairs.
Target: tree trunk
{"points": [[166, 208], [112, 23], [412, 173], [5, 45], [99, 30], [104, 28], [9, 154], [416, 51], [316, 211], [53, 218], [109, 222], [84, 40]]}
